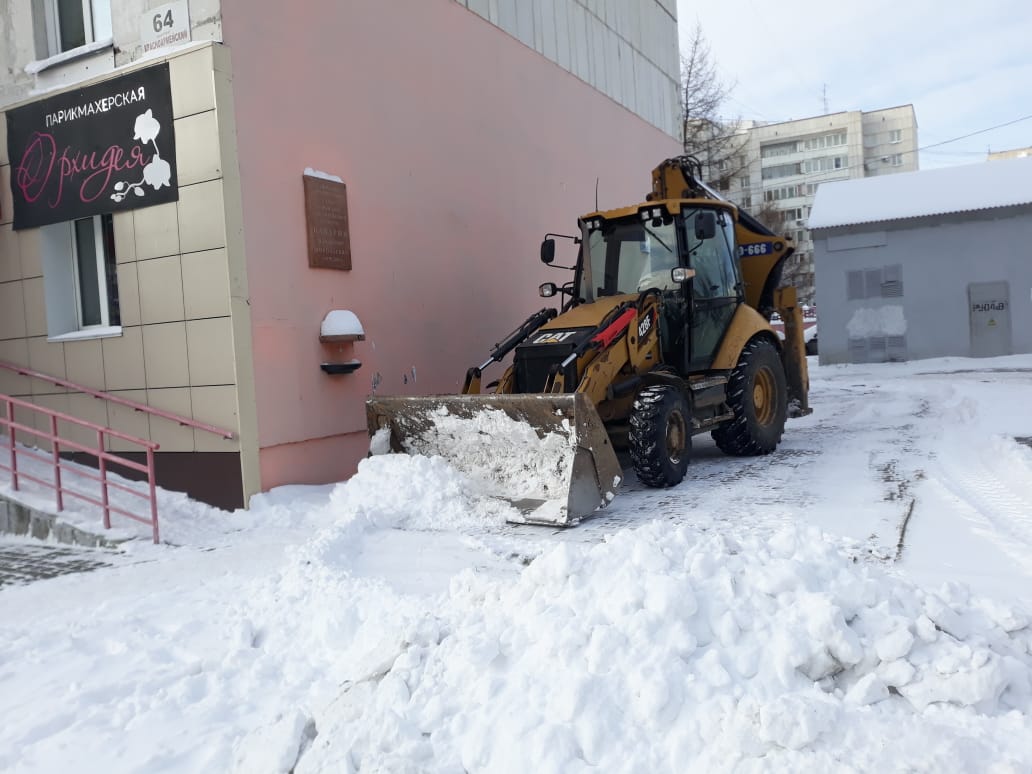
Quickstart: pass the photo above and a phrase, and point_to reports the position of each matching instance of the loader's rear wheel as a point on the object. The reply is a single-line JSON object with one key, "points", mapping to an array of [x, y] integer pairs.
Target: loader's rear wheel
{"points": [[758, 395], [660, 437]]}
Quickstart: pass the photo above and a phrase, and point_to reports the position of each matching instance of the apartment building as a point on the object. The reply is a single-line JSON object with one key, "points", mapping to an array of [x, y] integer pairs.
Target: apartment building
{"points": [[784, 163], [190, 190]]}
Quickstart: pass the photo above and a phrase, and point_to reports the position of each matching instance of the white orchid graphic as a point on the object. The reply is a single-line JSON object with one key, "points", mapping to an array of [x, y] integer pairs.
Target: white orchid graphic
{"points": [[146, 128], [158, 172]]}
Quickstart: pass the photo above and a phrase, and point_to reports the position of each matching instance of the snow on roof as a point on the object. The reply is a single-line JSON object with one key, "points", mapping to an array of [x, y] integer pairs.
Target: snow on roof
{"points": [[930, 192]]}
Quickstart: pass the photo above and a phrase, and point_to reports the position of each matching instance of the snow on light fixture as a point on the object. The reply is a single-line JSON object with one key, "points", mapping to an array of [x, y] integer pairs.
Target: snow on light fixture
{"points": [[341, 327]]}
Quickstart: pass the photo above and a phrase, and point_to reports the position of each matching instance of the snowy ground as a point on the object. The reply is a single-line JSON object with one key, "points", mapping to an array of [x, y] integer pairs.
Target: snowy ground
{"points": [[860, 600]]}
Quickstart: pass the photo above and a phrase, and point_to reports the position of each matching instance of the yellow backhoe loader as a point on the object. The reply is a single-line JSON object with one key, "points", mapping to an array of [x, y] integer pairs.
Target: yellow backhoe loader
{"points": [[663, 333]]}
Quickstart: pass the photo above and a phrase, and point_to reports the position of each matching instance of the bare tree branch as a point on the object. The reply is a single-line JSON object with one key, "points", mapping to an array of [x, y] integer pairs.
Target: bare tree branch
{"points": [[712, 139]]}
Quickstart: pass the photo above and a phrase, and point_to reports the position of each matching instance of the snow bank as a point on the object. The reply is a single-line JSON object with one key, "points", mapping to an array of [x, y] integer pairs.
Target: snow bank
{"points": [[411, 492], [656, 652], [878, 321]]}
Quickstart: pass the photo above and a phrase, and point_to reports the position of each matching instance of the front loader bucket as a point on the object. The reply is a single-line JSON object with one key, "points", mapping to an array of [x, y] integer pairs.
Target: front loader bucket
{"points": [[548, 455]]}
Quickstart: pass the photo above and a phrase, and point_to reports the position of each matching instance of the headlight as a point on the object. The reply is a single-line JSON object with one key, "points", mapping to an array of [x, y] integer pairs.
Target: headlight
{"points": [[547, 289]]}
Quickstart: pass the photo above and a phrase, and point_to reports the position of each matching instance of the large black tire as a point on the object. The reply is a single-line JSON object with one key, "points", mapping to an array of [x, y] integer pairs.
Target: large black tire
{"points": [[758, 395], [660, 438]]}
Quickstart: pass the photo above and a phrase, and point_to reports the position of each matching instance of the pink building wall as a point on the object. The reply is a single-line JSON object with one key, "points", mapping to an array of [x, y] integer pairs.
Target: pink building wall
{"points": [[460, 148]]}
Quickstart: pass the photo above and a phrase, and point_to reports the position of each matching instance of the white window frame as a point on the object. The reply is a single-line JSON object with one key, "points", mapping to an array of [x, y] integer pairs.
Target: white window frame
{"points": [[101, 259], [61, 286], [96, 22]]}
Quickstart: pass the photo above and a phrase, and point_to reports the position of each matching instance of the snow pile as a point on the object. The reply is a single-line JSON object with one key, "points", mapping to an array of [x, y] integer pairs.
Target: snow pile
{"points": [[501, 455], [879, 321], [656, 652], [404, 491]]}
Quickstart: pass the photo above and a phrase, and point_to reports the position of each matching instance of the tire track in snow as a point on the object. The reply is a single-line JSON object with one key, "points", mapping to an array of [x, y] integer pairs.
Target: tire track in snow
{"points": [[996, 506]]}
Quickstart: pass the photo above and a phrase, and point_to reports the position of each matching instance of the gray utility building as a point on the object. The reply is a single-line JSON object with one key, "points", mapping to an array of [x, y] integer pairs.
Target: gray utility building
{"points": [[925, 264]]}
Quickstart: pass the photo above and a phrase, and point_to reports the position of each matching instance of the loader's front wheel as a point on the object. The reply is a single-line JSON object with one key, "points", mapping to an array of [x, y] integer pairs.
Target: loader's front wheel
{"points": [[660, 437], [757, 393]]}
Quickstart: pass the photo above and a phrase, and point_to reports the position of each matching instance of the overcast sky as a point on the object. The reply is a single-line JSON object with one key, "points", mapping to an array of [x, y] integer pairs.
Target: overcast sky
{"points": [[965, 67]]}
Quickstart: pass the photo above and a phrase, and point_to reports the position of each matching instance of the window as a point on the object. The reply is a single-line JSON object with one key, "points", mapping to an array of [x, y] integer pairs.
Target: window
{"points": [[80, 282], [895, 135], [896, 159], [63, 25], [825, 141], [778, 149], [825, 163], [886, 282], [780, 170]]}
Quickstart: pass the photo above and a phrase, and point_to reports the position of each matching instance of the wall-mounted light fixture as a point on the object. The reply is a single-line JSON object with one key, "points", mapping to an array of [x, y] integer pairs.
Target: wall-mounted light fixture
{"points": [[341, 327]]}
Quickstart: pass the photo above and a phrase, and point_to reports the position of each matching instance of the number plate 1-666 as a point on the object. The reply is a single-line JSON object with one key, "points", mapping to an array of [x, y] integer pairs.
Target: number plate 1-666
{"points": [[757, 248]]}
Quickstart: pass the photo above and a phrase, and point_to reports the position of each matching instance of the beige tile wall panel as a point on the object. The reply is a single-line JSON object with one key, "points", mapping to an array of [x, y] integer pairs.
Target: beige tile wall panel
{"points": [[84, 363], [206, 284], [6, 200], [12, 310], [28, 419], [236, 258], [47, 357], [157, 231], [164, 355], [123, 360], [10, 254], [210, 351], [192, 83], [89, 409], [215, 406], [42, 421], [161, 290], [15, 352], [197, 149], [171, 435], [202, 223], [129, 421], [128, 294], [35, 307], [125, 236], [31, 253]]}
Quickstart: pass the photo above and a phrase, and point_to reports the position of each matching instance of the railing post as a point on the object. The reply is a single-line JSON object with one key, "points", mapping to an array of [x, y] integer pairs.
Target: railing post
{"points": [[102, 467], [57, 463], [11, 445], [153, 493]]}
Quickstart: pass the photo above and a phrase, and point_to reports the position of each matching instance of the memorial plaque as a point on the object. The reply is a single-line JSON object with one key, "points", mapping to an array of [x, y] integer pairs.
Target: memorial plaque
{"points": [[326, 216]]}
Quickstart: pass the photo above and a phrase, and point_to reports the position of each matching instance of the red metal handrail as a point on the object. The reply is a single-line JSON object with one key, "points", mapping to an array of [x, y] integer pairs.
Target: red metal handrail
{"points": [[134, 405], [100, 453]]}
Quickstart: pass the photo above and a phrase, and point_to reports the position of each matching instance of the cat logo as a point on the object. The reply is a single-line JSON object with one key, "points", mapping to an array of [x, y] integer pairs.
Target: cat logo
{"points": [[553, 337]]}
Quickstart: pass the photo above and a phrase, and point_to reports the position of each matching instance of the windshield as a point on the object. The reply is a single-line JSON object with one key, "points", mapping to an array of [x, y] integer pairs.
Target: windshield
{"points": [[629, 255]]}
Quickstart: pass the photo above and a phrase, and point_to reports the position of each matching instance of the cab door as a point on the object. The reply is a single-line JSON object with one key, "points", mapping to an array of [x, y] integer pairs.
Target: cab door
{"points": [[715, 290]]}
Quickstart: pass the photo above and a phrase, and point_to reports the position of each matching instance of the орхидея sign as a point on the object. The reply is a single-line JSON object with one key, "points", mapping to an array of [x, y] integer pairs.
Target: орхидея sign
{"points": [[94, 150]]}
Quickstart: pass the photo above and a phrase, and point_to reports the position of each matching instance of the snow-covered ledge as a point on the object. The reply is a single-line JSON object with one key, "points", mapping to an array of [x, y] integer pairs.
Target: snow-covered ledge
{"points": [[33, 68], [341, 325]]}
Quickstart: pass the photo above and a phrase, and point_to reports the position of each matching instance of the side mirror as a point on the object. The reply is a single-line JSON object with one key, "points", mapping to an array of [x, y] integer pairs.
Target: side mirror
{"points": [[548, 251], [547, 289], [705, 225]]}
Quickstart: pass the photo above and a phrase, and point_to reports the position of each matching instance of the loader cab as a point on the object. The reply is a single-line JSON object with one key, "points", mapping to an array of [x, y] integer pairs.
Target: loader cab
{"points": [[635, 253]]}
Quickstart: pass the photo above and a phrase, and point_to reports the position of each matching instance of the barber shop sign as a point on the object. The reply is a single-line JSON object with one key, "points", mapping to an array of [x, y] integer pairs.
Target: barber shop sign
{"points": [[94, 150]]}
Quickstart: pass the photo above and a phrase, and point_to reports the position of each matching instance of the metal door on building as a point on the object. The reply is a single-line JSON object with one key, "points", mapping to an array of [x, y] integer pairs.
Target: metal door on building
{"points": [[989, 310]]}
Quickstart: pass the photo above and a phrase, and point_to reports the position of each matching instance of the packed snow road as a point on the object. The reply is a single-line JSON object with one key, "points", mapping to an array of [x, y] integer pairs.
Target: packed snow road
{"points": [[857, 601]]}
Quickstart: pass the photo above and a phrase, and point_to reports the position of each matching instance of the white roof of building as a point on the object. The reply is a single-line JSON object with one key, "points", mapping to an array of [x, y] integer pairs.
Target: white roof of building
{"points": [[969, 187]]}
